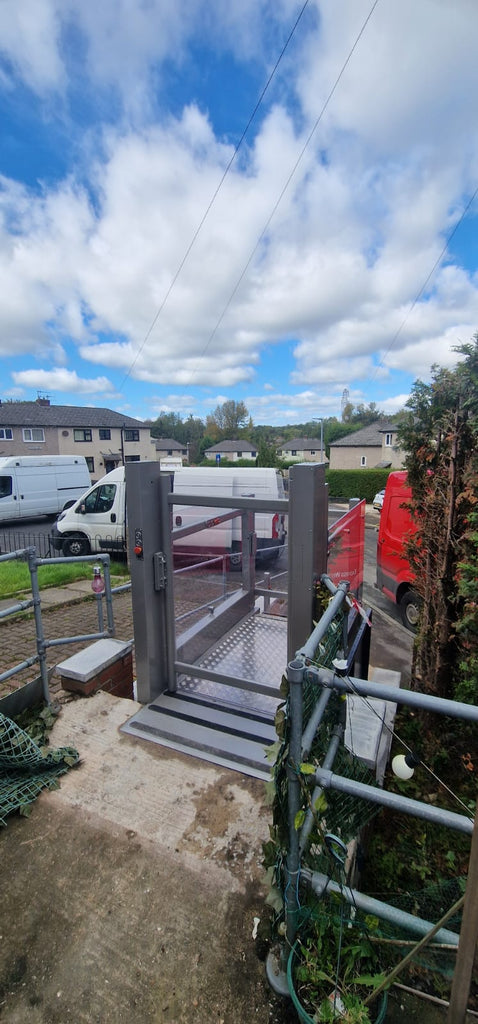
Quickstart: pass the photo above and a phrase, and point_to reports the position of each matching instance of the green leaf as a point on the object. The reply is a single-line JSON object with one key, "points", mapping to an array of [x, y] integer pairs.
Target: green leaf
{"points": [[284, 687], [320, 805], [307, 769], [372, 980], [279, 722], [299, 819], [272, 751]]}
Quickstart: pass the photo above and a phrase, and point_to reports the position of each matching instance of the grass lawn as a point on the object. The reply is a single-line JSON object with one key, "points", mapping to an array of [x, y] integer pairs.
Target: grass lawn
{"points": [[14, 576]]}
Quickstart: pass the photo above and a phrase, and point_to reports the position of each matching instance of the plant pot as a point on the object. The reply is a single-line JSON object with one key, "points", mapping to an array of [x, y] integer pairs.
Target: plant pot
{"points": [[380, 1009]]}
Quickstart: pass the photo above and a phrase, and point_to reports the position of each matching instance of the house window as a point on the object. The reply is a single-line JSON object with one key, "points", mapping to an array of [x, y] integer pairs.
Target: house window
{"points": [[312, 451], [82, 435], [363, 460], [388, 440], [293, 452], [253, 455], [33, 434], [105, 434], [131, 458], [131, 435], [90, 462], [6, 434], [239, 455]]}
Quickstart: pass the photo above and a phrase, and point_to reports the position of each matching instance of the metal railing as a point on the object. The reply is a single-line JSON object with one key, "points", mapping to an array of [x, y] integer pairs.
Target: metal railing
{"points": [[29, 555], [303, 672]]}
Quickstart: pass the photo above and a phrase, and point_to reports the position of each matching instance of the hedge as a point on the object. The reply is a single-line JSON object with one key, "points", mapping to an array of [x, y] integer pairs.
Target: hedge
{"points": [[356, 483]]}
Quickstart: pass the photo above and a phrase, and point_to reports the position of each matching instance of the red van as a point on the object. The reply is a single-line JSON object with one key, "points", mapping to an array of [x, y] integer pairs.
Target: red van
{"points": [[394, 575]]}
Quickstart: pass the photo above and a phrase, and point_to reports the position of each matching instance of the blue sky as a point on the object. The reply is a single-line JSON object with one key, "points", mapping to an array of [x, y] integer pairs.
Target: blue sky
{"points": [[138, 275]]}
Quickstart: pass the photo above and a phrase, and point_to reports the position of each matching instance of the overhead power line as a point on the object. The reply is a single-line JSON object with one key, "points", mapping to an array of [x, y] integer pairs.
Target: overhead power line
{"points": [[290, 177], [426, 281], [216, 192]]}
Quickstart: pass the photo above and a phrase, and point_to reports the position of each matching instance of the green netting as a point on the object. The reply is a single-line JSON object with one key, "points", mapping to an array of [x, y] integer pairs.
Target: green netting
{"points": [[430, 904], [26, 768], [346, 816], [339, 813]]}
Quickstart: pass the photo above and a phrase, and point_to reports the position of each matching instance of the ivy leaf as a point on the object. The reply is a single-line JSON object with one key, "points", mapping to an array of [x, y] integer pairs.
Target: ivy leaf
{"points": [[279, 722], [307, 769], [284, 687], [272, 751], [299, 819], [320, 805]]}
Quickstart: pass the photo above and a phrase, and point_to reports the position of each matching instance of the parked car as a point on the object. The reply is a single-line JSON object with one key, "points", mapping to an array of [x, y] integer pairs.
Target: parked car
{"points": [[378, 500]]}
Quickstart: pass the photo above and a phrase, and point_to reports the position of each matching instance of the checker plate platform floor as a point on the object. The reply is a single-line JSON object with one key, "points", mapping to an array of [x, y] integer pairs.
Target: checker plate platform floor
{"points": [[229, 725]]}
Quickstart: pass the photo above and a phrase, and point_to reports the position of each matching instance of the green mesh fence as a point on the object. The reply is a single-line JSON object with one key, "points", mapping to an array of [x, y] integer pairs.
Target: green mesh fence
{"points": [[26, 768], [346, 816], [339, 813]]}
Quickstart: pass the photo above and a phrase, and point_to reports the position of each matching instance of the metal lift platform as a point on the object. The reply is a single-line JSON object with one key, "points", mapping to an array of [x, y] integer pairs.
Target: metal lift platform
{"points": [[208, 718]]}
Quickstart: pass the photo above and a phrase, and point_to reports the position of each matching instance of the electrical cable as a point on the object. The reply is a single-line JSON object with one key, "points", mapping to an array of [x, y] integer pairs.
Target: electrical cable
{"points": [[406, 747], [289, 178], [215, 193], [427, 279]]}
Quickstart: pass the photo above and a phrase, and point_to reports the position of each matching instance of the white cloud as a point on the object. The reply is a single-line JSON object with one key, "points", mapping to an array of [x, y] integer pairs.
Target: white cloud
{"points": [[394, 404], [30, 38], [88, 268], [61, 380]]}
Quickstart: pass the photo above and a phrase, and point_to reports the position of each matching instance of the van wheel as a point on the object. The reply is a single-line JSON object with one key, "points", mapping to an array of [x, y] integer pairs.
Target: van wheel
{"points": [[410, 609], [74, 547]]}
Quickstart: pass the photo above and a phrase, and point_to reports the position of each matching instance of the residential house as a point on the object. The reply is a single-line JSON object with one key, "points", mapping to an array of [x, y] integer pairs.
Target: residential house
{"points": [[231, 451], [372, 447], [167, 447], [303, 449], [104, 437]]}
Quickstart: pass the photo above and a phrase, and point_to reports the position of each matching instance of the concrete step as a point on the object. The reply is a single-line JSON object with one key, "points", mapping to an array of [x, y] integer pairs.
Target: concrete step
{"points": [[221, 734]]}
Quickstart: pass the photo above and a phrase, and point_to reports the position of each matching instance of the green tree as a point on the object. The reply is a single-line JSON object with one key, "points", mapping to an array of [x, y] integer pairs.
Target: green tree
{"points": [[228, 421], [168, 424], [266, 455], [440, 437]]}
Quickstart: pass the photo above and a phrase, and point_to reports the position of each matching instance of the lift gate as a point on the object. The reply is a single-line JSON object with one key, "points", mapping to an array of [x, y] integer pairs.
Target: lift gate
{"points": [[211, 688]]}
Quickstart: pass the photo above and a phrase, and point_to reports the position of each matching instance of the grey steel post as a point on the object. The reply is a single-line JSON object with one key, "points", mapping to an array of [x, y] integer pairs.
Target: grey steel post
{"points": [[40, 636], [295, 675], [267, 585], [105, 559], [308, 529], [151, 562], [248, 550]]}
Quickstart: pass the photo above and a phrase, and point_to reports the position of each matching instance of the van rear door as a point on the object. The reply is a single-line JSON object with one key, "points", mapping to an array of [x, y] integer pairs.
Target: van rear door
{"points": [[37, 491]]}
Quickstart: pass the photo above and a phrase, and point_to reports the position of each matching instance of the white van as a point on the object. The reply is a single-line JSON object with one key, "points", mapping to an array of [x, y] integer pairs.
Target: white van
{"points": [[40, 485], [97, 521]]}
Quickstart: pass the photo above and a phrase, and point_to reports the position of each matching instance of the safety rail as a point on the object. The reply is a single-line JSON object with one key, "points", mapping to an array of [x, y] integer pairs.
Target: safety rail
{"points": [[43, 644], [319, 680]]}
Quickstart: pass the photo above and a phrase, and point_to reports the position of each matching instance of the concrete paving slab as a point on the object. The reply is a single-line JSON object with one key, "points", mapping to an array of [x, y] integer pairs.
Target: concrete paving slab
{"points": [[133, 889], [156, 792], [132, 893]]}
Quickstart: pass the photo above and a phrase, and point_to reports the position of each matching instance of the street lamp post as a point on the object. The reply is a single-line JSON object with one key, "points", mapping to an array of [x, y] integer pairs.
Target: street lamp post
{"points": [[321, 438]]}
